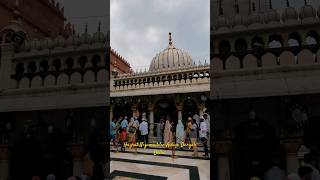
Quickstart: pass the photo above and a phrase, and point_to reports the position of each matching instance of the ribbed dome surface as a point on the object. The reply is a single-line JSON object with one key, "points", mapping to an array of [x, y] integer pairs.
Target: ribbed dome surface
{"points": [[170, 57]]}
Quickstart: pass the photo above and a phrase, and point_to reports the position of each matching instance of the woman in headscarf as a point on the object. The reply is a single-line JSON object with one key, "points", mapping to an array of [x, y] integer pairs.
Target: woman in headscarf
{"points": [[180, 132], [132, 129], [167, 132], [130, 123], [192, 132]]}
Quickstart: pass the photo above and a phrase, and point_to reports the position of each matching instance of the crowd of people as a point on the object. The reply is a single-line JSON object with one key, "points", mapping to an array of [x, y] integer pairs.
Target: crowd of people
{"points": [[136, 130], [307, 171]]}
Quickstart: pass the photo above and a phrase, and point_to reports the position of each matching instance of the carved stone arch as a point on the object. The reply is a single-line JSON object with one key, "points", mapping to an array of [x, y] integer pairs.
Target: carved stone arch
{"points": [[83, 61], [312, 38], [63, 79], [19, 69], [240, 47], [217, 64], [103, 75], [287, 58], [268, 60], [275, 41], [224, 48], [96, 60], [257, 41], [294, 39], [44, 66], [232, 63], [56, 63], [250, 61], [69, 63], [32, 67], [24, 83], [305, 57], [49, 80], [75, 78], [36, 82], [89, 77]]}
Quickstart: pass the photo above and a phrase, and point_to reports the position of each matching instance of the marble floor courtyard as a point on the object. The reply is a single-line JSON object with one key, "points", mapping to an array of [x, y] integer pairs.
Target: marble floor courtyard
{"points": [[129, 165]]}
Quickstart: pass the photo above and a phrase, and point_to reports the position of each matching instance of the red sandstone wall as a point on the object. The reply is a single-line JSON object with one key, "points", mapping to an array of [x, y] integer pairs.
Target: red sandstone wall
{"points": [[39, 17], [121, 65]]}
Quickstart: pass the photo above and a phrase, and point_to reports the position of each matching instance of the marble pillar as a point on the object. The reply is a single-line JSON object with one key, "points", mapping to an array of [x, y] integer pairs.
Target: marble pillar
{"points": [[77, 153], [151, 121], [179, 109], [4, 162], [223, 149], [223, 167], [134, 110], [291, 147]]}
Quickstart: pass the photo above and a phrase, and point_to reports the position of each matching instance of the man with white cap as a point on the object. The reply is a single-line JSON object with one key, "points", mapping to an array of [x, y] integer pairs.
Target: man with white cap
{"points": [[124, 123], [144, 129], [203, 133]]}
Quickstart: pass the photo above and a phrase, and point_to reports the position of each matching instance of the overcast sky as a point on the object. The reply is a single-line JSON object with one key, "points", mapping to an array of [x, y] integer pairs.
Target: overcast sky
{"points": [[280, 4], [80, 12], [139, 28]]}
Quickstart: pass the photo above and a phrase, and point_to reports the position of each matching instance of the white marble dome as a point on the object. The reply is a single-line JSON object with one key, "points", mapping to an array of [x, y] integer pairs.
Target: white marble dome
{"points": [[307, 11], [289, 13], [170, 57], [272, 16]]}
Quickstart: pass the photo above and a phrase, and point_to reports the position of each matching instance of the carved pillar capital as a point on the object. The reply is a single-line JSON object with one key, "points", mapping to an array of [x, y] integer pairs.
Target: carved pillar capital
{"points": [[151, 107]]}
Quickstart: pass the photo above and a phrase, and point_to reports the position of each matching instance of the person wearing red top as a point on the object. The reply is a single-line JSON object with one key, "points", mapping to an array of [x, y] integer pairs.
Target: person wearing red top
{"points": [[123, 138]]}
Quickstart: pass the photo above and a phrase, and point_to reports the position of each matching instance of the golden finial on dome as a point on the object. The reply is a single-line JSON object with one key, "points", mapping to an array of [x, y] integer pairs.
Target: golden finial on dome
{"points": [[170, 39]]}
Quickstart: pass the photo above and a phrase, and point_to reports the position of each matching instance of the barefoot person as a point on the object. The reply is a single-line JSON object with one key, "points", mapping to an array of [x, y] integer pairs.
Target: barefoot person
{"points": [[192, 133], [180, 132], [167, 132], [132, 136], [203, 133]]}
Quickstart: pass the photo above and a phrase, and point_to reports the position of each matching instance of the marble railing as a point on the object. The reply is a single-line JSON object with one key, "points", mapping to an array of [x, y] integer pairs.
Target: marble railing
{"points": [[150, 80]]}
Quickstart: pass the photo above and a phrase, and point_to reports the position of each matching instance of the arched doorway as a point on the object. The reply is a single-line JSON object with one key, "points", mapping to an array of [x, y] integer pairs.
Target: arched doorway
{"points": [[255, 146], [142, 109], [165, 108], [121, 109], [190, 108]]}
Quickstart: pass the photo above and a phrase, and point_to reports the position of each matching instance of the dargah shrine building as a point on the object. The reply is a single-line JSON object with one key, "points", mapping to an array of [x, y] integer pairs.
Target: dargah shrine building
{"points": [[174, 86], [265, 86]]}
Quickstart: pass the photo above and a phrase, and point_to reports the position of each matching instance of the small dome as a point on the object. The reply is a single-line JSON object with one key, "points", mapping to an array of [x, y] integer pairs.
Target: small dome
{"points": [[170, 57], [222, 22], [59, 41], [255, 18], [272, 16], [238, 20], [85, 38], [27, 45], [289, 13], [307, 11], [50, 43], [44, 43], [73, 40], [98, 37]]}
